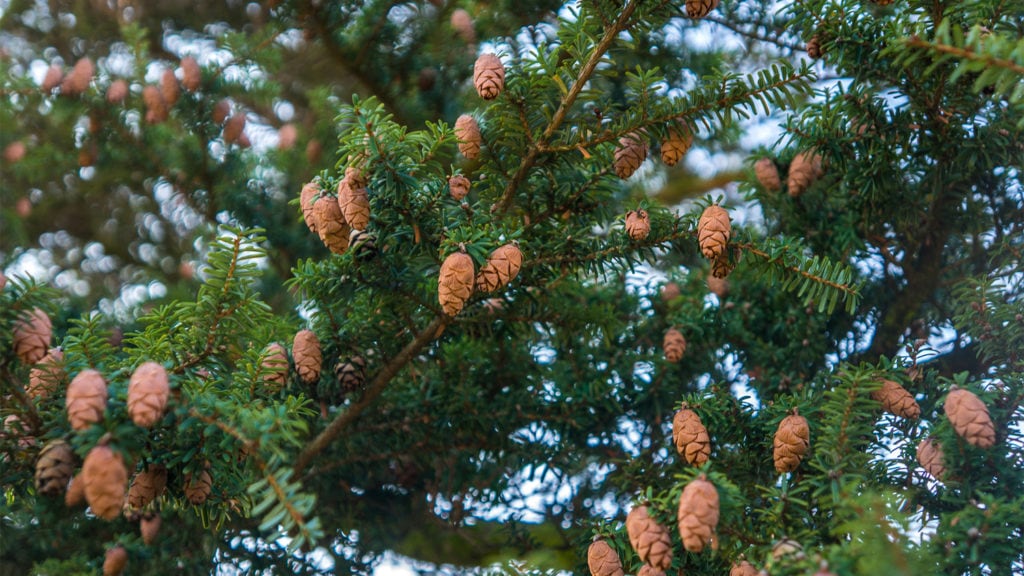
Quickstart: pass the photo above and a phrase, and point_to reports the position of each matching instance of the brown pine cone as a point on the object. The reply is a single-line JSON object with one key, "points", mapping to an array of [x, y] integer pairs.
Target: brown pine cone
{"points": [[117, 91], [147, 394], [785, 547], [234, 128], [169, 88], [75, 496], [691, 437], [603, 561], [274, 367], [313, 150], [502, 267], [147, 486], [638, 224], [105, 481], [648, 570], [354, 200], [814, 47], [650, 540], [362, 244], [47, 376], [286, 136], [77, 81], [331, 225], [467, 131], [458, 187], [54, 76], [31, 336], [718, 286], [670, 291], [630, 154], [54, 468], [969, 417], [149, 528], [156, 108], [713, 231], [677, 144], [896, 400], [307, 355], [488, 76], [191, 74], [455, 282], [462, 23], [722, 266], [767, 174], [220, 111], [86, 399], [307, 198], [115, 561], [197, 488], [883, 2], [351, 374], [674, 345], [931, 458], [792, 439], [744, 568], [700, 8], [803, 171], [698, 514]]}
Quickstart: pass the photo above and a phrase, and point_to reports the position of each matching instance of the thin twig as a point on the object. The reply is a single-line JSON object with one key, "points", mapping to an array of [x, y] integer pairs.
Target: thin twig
{"points": [[917, 42]]}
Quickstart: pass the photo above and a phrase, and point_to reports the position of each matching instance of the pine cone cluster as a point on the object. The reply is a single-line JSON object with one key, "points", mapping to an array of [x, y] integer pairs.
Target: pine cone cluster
{"points": [[467, 131], [803, 171], [455, 282], [502, 267], [47, 376], [677, 144], [488, 76], [931, 458], [354, 200], [969, 417], [767, 174], [638, 224], [105, 481], [674, 345], [147, 486], [275, 367], [691, 437], [54, 468], [147, 394], [713, 231], [602, 560], [630, 154], [307, 355], [792, 439], [896, 400], [86, 399], [698, 514], [197, 487], [458, 187], [650, 540], [31, 336]]}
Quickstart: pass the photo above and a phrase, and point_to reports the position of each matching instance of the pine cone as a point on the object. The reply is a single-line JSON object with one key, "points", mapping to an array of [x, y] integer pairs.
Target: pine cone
{"points": [[670, 291], [883, 2], [803, 171], [275, 367], [603, 561], [678, 143], [674, 345], [286, 137], [785, 547], [767, 174], [169, 88], [722, 266], [648, 570], [362, 244], [77, 81], [117, 91], [351, 374], [462, 23], [156, 108], [744, 568], [691, 437], [792, 439], [330, 223], [354, 201], [220, 111], [698, 514], [458, 187], [638, 224], [54, 468], [234, 128], [54, 76], [47, 376], [197, 488], [147, 486], [147, 394], [718, 286], [313, 150], [630, 154], [307, 198], [896, 400], [931, 458], [488, 76], [75, 495], [700, 8], [3, 279], [467, 131], [307, 355], [713, 231], [969, 417], [86, 399], [115, 561], [191, 74], [149, 528], [814, 47], [31, 336], [502, 267], [455, 282], [105, 480], [650, 540]]}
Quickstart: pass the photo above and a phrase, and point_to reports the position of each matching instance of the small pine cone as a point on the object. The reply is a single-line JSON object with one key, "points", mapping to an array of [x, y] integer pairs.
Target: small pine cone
{"points": [[362, 244], [488, 76], [351, 374], [602, 560], [47, 376], [785, 547], [147, 486], [307, 198], [792, 439], [54, 76], [156, 108], [467, 131], [931, 458], [234, 128], [115, 561], [678, 143], [77, 81], [718, 286], [169, 88], [31, 336], [674, 345], [455, 282], [75, 496], [722, 266], [86, 399], [883, 2], [191, 74], [743, 568], [458, 187], [330, 224], [147, 394], [149, 528], [286, 137], [638, 224], [650, 540], [13, 153], [814, 47], [803, 170], [630, 154], [700, 8], [670, 292], [462, 23], [896, 400], [117, 91], [220, 111], [275, 367], [105, 480], [648, 570], [767, 174], [307, 355], [502, 267], [698, 514], [969, 417], [314, 149], [691, 437], [197, 488], [354, 203], [713, 231], [54, 468]]}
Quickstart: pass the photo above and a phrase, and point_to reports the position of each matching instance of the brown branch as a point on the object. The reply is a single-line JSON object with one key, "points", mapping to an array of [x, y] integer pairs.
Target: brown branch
{"points": [[917, 42], [796, 269]]}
